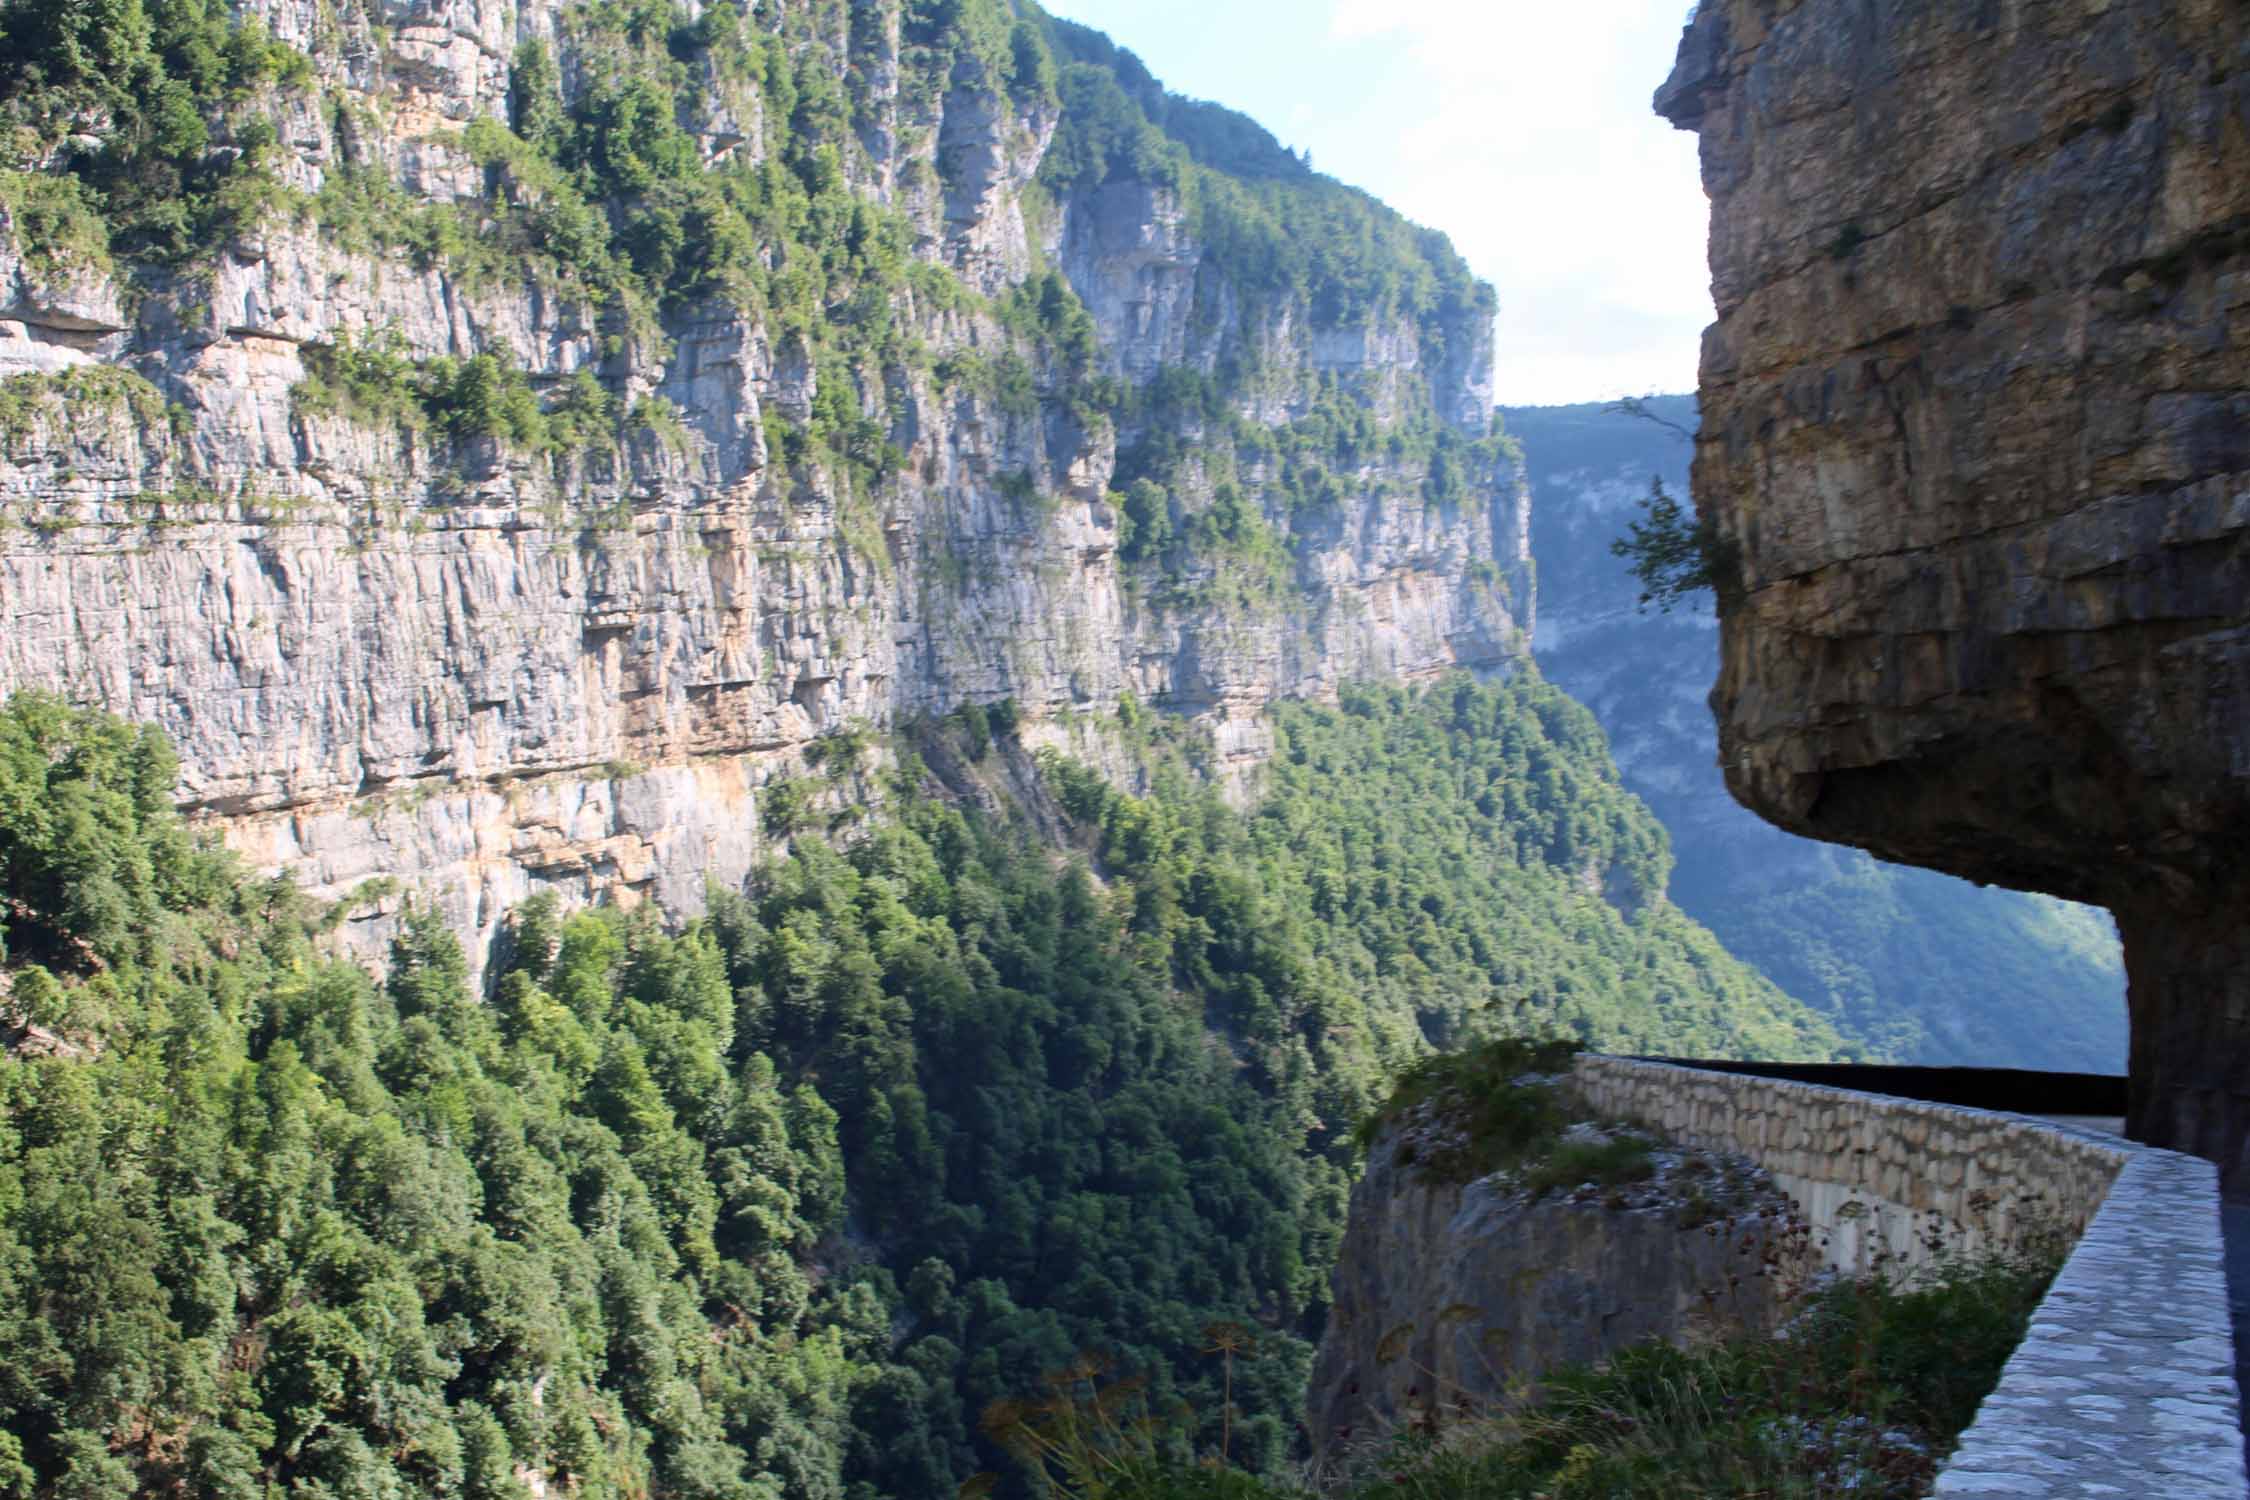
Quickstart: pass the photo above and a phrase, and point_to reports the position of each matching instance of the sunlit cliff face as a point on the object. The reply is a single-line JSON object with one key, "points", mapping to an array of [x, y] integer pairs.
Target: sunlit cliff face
{"points": [[866, 463]]}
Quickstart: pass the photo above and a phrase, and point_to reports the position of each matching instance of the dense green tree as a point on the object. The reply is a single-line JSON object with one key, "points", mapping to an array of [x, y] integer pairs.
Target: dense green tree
{"points": [[780, 1202]]}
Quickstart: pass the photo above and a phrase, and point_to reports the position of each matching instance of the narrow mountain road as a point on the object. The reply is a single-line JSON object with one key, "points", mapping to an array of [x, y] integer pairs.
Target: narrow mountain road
{"points": [[2234, 1222], [2234, 1229]]}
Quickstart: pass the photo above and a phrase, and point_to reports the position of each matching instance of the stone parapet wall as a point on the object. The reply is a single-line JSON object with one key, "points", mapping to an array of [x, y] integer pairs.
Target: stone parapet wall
{"points": [[1991, 1181], [2124, 1383]]}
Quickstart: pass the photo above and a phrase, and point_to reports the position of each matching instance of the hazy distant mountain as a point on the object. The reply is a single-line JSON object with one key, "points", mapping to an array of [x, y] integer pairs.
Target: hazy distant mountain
{"points": [[1922, 967]]}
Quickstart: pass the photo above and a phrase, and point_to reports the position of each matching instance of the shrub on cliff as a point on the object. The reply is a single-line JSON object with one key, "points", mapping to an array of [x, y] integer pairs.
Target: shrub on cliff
{"points": [[1492, 1105], [1862, 1395], [1675, 555]]}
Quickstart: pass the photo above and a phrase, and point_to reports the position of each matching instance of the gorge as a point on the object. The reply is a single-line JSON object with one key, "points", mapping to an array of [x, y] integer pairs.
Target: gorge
{"points": [[865, 678], [864, 681], [1920, 967]]}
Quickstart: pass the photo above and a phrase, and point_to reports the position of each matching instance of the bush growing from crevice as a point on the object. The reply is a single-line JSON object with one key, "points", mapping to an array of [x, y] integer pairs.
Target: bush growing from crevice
{"points": [[1676, 555], [375, 382]]}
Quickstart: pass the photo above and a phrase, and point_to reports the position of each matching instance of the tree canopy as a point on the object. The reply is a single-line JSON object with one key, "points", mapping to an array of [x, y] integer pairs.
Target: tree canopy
{"points": [[777, 1202]]}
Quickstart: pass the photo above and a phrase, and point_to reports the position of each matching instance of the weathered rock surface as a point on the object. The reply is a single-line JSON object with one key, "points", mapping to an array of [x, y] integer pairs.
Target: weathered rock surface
{"points": [[1453, 1297], [1976, 425], [382, 653]]}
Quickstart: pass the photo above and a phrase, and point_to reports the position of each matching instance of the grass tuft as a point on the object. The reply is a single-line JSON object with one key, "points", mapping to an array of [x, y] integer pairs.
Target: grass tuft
{"points": [[1497, 1100]]}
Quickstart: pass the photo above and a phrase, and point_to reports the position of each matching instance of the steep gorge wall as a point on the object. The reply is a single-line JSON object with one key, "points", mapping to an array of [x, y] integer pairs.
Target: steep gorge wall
{"points": [[389, 649], [1976, 438]]}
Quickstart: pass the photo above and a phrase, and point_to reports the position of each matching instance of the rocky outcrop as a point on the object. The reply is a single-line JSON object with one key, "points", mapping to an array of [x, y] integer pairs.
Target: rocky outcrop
{"points": [[477, 670], [1976, 435], [1453, 1297]]}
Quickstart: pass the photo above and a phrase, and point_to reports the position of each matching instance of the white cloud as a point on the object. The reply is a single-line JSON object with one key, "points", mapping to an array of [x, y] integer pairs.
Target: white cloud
{"points": [[1521, 128], [1529, 139]]}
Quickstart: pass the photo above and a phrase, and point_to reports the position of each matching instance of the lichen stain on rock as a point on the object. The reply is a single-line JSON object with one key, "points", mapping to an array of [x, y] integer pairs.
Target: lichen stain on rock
{"points": [[1976, 411]]}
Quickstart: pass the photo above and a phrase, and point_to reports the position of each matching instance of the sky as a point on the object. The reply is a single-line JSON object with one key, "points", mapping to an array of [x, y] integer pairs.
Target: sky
{"points": [[1519, 127]]}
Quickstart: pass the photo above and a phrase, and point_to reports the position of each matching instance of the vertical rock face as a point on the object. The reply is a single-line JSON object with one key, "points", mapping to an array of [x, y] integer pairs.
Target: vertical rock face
{"points": [[1453, 1297], [1976, 436], [387, 647]]}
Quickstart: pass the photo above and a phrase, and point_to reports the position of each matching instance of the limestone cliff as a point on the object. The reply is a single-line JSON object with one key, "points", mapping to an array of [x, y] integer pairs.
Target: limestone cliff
{"points": [[815, 437], [1976, 436], [1454, 1297]]}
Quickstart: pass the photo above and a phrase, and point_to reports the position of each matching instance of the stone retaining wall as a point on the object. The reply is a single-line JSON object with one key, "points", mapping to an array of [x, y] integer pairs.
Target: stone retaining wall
{"points": [[1980, 1180], [2124, 1384]]}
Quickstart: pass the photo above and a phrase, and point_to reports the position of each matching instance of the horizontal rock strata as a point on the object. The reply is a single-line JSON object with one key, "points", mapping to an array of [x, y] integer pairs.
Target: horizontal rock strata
{"points": [[387, 651]]}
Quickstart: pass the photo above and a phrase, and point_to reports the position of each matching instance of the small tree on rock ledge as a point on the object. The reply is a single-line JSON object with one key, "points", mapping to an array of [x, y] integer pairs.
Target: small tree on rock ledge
{"points": [[1674, 554]]}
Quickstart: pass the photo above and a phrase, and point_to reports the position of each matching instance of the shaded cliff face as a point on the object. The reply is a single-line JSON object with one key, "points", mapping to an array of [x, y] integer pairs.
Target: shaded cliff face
{"points": [[813, 437], [1977, 419], [1455, 1297]]}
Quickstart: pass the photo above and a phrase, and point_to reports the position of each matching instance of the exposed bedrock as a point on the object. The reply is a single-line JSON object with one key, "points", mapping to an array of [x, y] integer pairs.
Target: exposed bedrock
{"points": [[1976, 436], [1454, 1298], [407, 663]]}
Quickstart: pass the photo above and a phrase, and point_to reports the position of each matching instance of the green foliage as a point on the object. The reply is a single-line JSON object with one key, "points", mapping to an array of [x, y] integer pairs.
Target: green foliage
{"points": [[488, 396], [373, 381], [283, 1227], [981, 724], [1862, 1395], [171, 78], [1673, 558], [1087, 1434], [75, 394], [57, 222], [91, 859], [1501, 1105], [1440, 861], [1604, 1163], [785, 806], [317, 1231], [1497, 1098], [1023, 1106], [1144, 522], [376, 383]]}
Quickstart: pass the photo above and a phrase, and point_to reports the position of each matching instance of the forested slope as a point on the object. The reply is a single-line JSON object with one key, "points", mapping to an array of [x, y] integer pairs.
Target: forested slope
{"points": [[782, 1202]]}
